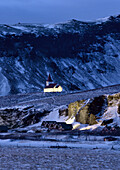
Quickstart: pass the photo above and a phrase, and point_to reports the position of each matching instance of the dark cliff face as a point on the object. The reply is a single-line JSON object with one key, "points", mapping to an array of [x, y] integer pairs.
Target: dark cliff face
{"points": [[79, 55]]}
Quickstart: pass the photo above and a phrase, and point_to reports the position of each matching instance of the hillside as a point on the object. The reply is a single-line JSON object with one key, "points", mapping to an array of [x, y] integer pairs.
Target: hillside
{"points": [[79, 55], [92, 108]]}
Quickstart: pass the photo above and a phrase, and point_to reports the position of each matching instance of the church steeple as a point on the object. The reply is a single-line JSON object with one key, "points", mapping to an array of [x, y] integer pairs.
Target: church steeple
{"points": [[51, 86], [49, 80]]}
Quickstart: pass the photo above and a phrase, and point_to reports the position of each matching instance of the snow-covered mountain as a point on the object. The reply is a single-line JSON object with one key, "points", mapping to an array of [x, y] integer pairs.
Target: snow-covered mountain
{"points": [[79, 55]]}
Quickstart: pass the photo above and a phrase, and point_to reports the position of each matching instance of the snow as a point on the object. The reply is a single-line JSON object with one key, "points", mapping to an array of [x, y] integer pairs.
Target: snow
{"points": [[51, 26], [101, 20], [84, 75], [4, 85], [21, 28], [19, 67], [54, 116], [53, 158], [92, 142], [71, 120], [110, 113], [76, 125], [90, 85], [91, 127]]}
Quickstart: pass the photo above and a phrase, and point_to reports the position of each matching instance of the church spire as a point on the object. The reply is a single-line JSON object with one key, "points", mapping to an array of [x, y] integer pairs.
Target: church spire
{"points": [[49, 80]]}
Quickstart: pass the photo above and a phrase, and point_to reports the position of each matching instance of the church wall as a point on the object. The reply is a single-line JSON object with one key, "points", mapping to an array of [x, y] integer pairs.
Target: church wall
{"points": [[59, 89]]}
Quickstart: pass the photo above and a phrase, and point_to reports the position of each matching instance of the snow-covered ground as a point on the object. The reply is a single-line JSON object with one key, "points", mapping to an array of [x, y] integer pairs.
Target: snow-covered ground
{"points": [[35, 157], [88, 142]]}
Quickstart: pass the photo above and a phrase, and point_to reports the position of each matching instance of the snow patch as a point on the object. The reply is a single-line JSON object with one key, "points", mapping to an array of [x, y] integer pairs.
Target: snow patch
{"points": [[4, 85], [54, 116], [101, 20], [20, 67], [21, 28]]}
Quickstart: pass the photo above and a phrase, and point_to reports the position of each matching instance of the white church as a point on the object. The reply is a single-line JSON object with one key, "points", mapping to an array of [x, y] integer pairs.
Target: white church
{"points": [[51, 86]]}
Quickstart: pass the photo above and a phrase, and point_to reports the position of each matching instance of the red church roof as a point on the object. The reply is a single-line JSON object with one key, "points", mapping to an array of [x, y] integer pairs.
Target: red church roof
{"points": [[49, 78], [51, 85]]}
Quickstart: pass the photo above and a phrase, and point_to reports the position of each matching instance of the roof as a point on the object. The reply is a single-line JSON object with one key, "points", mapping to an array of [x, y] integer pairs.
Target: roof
{"points": [[51, 85], [49, 78], [57, 85], [63, 124]]}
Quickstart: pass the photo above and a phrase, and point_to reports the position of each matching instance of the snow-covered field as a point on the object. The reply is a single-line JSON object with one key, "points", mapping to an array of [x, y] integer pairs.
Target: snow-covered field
{"points": [[35, 158], [85, 142]]}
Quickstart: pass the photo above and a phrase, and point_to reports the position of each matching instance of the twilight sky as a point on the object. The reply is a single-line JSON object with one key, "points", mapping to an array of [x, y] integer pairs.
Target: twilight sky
{"points": [[54, 11]]}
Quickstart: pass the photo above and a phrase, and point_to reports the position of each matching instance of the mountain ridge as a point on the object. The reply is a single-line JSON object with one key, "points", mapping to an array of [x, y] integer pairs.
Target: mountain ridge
{"points": [[79, 55]]}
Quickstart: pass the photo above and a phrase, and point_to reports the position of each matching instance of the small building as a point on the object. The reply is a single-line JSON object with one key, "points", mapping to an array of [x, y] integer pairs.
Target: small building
{"points": [[56, 125], [51, 86]]}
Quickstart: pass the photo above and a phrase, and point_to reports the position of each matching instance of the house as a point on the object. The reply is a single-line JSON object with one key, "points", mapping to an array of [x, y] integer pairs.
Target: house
{"points": [[51, 86], [56, 125]]}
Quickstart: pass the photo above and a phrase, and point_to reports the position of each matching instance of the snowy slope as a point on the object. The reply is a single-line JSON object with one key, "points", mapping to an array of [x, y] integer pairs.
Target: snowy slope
{"points": [[4, 85], [79, 55]]}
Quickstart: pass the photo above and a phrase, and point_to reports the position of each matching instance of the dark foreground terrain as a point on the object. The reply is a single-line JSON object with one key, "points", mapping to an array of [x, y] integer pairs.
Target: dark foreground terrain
{"points": [[37, 158]]}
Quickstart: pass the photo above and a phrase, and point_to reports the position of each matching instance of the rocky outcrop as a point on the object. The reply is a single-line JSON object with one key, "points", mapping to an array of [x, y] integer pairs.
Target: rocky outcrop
{"points": [[92, 111], [63, 111], [113, 99], [86, 113], [103, 109], [15, 117], [106, 122], [73, 108]]}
